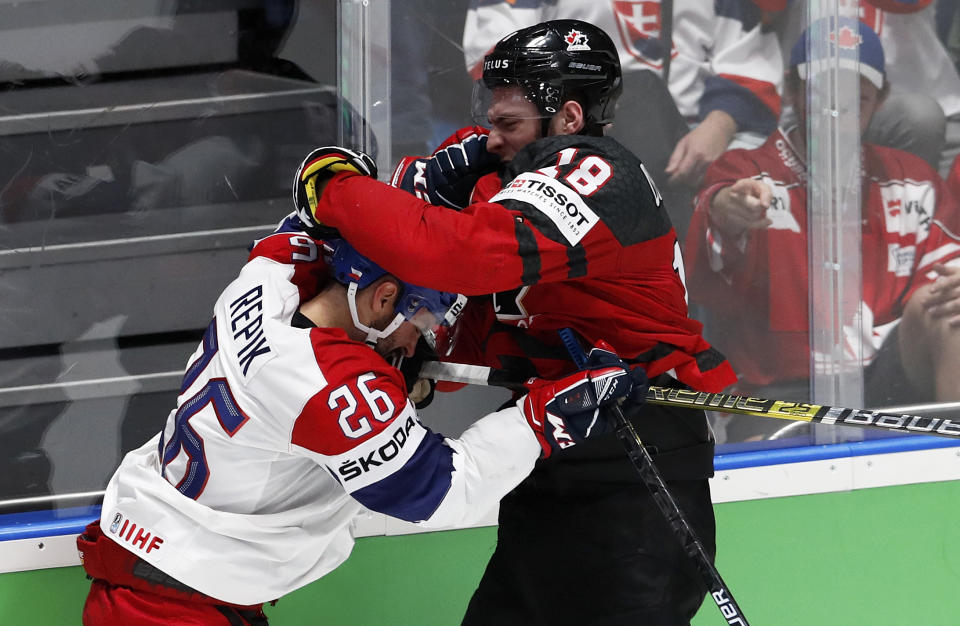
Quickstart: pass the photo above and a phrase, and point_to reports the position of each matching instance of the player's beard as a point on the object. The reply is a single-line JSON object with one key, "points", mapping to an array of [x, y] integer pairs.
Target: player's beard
{"points": [[390, 351], [389, 347]]}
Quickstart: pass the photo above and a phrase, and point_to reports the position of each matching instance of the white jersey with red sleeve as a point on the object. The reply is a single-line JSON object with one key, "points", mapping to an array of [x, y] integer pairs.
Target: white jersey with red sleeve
{"points": [[755, 290], [722, 58], [282, 433]]}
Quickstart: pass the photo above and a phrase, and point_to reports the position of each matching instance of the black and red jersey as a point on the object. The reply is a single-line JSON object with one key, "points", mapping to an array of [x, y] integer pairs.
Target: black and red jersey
{"points": [[571, 233]]}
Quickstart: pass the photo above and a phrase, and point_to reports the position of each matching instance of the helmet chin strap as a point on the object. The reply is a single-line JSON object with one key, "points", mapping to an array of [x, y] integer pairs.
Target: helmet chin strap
{"points": [[373, 335]]}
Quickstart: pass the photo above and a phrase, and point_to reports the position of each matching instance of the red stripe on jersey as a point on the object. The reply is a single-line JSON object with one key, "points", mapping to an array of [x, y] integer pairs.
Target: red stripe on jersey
{"points": [[309, 269], [766, 92], [362, 397]]}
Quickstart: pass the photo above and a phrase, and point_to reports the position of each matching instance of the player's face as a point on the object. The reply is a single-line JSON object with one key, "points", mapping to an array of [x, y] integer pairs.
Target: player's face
{"points": [[402, 341], [514, 122]]}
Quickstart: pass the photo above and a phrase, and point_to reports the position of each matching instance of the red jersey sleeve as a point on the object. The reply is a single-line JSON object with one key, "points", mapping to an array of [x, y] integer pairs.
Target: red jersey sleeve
{"points": [[474, 251], [570, 207]]}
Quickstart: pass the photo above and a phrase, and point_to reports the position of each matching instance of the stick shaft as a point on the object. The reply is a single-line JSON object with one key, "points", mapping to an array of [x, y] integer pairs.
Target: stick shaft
{"points": [[643, 463], [726, 403]]}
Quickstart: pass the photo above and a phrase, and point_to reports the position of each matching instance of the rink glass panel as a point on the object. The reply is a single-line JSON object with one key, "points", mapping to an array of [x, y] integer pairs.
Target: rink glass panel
{"points": [[146, 143]]}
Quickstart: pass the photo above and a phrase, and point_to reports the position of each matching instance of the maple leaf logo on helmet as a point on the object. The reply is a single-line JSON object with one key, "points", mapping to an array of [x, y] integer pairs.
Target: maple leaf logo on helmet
{"points": [[576, 40]]}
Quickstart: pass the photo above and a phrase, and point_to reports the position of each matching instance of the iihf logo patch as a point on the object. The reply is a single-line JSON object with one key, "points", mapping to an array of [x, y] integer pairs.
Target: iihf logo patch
{"points": [[576, 41], [116, 522]]}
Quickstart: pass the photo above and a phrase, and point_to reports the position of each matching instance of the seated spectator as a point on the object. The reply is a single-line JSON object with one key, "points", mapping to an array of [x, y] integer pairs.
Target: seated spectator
{"points": [[922, 112], [723, 72], [948, 28], [746, 254]]}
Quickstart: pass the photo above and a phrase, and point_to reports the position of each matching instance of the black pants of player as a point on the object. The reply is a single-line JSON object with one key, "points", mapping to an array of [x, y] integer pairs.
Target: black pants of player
{"points": [[601, 558]]}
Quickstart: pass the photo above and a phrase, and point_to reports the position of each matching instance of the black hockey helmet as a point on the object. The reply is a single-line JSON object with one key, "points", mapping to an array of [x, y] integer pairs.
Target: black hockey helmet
{"points": [[554, 62]]}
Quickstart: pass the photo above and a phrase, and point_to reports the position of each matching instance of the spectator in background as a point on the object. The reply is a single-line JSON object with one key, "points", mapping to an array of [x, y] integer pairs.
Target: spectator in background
{"points": [[746, 254], [948, 28], [922, 112], [723, 72], [428, 83]]}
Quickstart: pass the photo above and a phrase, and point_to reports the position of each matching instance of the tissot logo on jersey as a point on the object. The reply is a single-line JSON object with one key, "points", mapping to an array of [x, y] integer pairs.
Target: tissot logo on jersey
{"points": [[561, 204]]}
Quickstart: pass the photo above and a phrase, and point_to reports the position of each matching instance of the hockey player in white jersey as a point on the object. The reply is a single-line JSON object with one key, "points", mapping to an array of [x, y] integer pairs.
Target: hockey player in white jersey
{"points": [[290, 420]]}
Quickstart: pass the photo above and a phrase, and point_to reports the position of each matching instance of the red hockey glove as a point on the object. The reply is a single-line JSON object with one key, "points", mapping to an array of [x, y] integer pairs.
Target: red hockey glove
{"points": [[565, 412], [319, 166], [448, 176]]}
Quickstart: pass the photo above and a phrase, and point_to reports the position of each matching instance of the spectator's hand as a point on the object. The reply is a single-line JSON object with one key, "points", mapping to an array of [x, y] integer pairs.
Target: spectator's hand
{"points": [[943, 297], [314, 174], [699, 148], [448, 176], [741, 207], [565, 412]]}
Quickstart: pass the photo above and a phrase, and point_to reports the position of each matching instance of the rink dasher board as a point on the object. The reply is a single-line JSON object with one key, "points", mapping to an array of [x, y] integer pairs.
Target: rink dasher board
{"points": [[738, 477]]}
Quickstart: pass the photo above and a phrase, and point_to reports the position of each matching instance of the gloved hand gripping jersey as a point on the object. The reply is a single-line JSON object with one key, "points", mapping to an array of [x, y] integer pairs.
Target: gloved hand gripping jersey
{"points": [[319, 166], [448, 176]]}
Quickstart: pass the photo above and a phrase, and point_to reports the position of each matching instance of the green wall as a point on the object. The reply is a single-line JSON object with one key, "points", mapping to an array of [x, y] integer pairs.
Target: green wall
{"points": [[877, 557]]}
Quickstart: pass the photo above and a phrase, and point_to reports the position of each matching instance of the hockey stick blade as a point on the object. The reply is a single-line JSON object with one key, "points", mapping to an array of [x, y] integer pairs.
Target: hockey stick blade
{"points": [[725, 403]]}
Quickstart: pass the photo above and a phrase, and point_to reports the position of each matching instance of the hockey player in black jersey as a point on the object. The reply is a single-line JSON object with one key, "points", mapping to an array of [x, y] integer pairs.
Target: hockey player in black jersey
{"points": [[562, 229]]}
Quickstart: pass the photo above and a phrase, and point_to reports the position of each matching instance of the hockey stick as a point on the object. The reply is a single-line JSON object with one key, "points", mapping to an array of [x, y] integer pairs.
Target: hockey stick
{"points": [[643, 463], [725, 403], [479, 375]]}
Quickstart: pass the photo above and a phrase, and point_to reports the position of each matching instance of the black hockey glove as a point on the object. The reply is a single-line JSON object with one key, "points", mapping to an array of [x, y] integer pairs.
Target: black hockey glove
{"points": [[419, 390], [565, 412], [319, 166], [448, 176]]}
